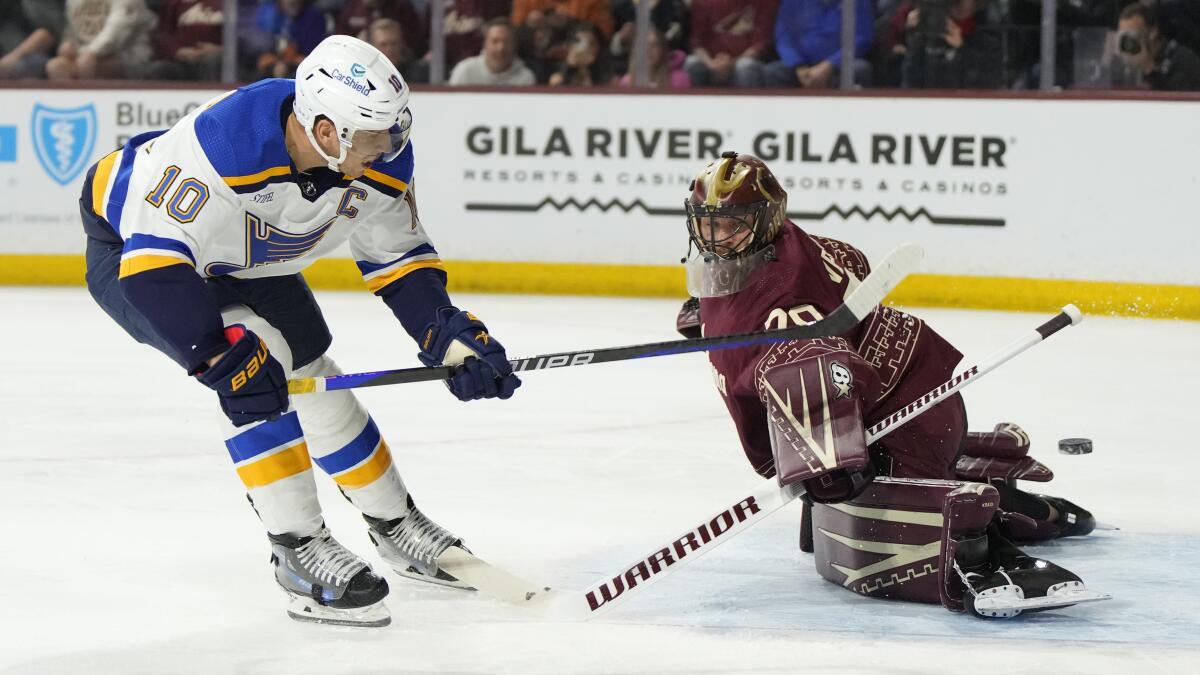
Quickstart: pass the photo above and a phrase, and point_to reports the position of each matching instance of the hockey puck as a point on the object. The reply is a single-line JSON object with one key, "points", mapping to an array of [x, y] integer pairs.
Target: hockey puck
{"points": [[1075, 446]]}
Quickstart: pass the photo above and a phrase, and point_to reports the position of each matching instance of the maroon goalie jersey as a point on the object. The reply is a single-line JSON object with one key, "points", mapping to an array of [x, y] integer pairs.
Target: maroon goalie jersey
{"points": [[898, 357]]}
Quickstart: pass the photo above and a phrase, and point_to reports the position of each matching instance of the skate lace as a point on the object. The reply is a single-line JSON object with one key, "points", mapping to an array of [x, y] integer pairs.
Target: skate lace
{"points": [[328, 561], [421, 539], [967, 578]]}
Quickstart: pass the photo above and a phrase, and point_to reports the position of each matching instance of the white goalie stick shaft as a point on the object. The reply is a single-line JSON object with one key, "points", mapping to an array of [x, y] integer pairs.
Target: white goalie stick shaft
{"points": [[736, 517]]}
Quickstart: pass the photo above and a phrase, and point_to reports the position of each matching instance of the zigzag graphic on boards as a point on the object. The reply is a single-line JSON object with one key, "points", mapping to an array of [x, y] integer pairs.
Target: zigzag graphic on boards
{"points": [[833, 209]]}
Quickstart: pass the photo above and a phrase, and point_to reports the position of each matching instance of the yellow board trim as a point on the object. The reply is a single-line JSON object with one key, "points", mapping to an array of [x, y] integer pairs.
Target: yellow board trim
{"points": [[367, 472], [1159, 301], [394, 183], [237, 181], [278, 466], [376, 283], [145, 263]]}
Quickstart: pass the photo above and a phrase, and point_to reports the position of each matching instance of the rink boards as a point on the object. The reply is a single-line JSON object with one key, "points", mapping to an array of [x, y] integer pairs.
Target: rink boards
{"points": [[1020, 203]]}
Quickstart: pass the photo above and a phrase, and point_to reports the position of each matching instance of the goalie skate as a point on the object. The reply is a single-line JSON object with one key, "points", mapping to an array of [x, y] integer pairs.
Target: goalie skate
{"points": [[412, 544], [1014, 582], [1008, 600]]}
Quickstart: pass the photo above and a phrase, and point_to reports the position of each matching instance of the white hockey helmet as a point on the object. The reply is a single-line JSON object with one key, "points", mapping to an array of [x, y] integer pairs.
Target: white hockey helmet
{"points": [[359, 90]]}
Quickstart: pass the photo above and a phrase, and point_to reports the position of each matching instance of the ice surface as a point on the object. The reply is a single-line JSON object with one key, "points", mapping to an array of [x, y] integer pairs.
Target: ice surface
{"points": [[128, 546]]}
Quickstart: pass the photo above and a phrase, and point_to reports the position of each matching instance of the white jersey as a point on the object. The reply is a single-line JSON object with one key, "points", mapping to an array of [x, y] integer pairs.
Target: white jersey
{"points": [[218, 191]]}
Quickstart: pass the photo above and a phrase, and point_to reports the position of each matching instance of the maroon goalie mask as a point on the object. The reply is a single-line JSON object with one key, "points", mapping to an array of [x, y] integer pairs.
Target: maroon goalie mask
{"points": [[734, 212]]}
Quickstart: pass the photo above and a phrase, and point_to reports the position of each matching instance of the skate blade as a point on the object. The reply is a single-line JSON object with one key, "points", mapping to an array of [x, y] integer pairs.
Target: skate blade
{"points": [[448, 581], [1007, 601], [308, 611]]}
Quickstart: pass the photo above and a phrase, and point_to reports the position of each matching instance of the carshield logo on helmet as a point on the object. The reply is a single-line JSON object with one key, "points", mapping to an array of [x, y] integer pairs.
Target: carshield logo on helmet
{"points": [[64, 139], [363, 87], [358, 70]]}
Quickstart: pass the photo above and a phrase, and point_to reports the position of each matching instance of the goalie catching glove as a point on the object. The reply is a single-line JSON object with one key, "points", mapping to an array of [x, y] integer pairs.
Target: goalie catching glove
{"points": [[459, 338]]}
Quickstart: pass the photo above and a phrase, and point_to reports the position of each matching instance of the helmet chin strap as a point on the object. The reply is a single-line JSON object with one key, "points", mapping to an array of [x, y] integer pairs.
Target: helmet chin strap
{"points": [[333, 163]]}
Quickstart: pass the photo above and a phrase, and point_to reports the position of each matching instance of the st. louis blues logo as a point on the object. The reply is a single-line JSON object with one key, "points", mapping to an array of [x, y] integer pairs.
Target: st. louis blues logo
{"points": [[64, 139], [267, 244]]}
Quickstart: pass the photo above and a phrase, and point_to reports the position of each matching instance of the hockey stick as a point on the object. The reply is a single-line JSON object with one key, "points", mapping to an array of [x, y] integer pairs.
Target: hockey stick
{"points": [[861, 301], [764, 500]]}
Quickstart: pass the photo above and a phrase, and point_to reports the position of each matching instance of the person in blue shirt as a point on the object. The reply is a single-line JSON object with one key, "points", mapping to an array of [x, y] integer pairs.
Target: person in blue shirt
{"points": [[808, 38]]}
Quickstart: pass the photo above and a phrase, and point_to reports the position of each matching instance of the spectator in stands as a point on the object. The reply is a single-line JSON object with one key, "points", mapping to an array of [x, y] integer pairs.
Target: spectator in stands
{"points": [[595, 12], [585, 64], [464, 25], [387, 36], [666, 65], [104, 40], [669, 17], [1165, 64], [36, 27], [188, 40], [546, 29], [497, 64], [357, 15], [1180, 19], [950, 46], [730, 39], [296, 27], [808, 38]]}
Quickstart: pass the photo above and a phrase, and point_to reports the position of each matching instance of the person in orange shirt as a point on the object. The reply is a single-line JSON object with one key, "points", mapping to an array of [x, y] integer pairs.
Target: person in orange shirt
{"points": [[595, 12]]}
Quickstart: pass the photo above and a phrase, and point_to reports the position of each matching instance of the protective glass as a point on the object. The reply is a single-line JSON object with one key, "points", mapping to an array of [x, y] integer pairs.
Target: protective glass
{"points": [[711, 276], [386, 144]]}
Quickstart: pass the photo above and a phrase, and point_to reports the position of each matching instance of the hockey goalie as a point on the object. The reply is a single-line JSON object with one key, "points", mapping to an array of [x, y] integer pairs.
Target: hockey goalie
{"points": [[928, 513]]}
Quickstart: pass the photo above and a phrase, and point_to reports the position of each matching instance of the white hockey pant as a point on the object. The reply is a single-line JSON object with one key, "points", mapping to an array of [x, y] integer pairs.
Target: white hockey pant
{"points": [[332, 429]]}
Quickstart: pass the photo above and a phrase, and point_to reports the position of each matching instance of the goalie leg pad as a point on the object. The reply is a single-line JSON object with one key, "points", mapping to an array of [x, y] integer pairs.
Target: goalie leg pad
{"points": [[892, 540]]}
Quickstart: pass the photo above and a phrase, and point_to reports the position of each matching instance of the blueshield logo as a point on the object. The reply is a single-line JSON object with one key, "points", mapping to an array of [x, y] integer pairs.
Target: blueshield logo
{"points": [[64, 139], [8, 143]]}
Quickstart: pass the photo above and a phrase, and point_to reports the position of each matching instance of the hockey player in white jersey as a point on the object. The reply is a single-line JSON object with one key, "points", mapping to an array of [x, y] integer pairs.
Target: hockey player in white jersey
{"points": [[196, 237]]}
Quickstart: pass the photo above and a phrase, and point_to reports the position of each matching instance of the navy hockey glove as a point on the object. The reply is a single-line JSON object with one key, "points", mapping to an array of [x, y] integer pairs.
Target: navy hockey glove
{"points": [[460, 338], [249, 381]]}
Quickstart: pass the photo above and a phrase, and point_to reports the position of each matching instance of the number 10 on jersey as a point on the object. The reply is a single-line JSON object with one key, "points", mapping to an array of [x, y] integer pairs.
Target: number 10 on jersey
{"points": [[185, 202]]}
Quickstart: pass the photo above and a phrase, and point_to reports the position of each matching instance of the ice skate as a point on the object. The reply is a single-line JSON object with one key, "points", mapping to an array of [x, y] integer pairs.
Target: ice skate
{"points": [[1013, 582], [1026, 517], [328, 583], [412, 543]]}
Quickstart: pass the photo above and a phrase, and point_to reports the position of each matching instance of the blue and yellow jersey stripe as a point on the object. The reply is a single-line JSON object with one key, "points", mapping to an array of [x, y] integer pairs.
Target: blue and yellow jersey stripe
{"points": [[379, 275], [270, 452], [257, 181], [110, 183], [361, 461], [242, 135], [145, 252], [388, 185]]}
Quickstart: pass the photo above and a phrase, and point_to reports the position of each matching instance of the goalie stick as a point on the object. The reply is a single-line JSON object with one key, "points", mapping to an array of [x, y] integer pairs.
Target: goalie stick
{"points": [[739, 515], [861, 301]]}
